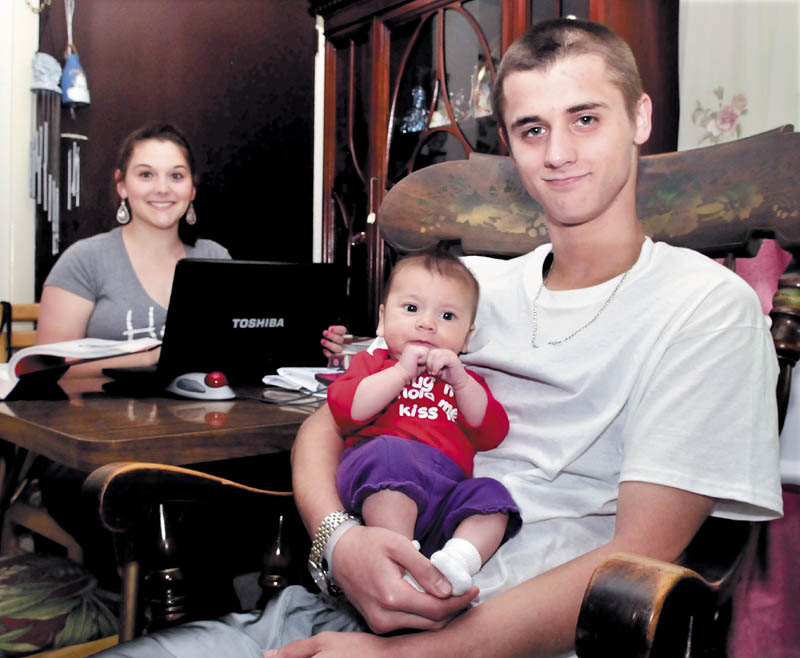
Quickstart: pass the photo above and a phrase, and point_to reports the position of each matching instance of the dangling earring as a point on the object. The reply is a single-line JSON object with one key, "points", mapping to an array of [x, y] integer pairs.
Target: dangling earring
{"points": [[191, 215], [123, 216]]}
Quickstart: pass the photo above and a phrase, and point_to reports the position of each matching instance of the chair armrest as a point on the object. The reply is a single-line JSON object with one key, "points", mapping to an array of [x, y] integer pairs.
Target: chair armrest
{"points": [[632, 601], [640, 607], [123, 492]]}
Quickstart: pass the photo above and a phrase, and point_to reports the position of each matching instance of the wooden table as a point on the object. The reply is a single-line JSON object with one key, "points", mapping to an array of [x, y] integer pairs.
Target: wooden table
{"points": [[92, 428]]}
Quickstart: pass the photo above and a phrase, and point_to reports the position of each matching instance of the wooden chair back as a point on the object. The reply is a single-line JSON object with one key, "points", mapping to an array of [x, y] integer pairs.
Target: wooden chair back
{"points": [[13, 338], [716, 200], [720, 200]]}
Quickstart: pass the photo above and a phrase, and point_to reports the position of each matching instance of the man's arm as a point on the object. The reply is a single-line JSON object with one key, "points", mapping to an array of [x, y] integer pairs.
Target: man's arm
{"points": [[538, 617], [652, 520], [368, 563], [315, 458]]}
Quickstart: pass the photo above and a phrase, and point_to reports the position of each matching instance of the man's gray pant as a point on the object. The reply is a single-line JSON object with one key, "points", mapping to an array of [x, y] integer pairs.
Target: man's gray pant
{"points": [[295, 614]]}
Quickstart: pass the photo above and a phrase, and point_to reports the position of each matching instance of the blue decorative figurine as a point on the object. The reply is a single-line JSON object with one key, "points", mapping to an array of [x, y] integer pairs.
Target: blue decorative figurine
{"points": [[415, 119]]}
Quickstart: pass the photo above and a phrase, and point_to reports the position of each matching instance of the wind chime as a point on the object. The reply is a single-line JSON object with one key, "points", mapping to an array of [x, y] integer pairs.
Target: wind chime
{"points": [[45, 162], [45, 157]]}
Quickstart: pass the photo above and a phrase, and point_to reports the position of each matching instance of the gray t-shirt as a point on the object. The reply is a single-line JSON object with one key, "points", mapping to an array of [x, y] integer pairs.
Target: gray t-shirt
{"points": [[98, 269]]}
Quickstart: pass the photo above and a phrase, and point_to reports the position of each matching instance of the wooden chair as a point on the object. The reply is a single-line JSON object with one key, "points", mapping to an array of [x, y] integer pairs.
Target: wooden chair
{"points": [[720, 200], [13, 339], [132, 500], [20, 513]]}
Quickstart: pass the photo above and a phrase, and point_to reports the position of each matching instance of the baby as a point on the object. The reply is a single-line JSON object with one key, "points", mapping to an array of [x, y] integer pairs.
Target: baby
{"points": [[413, 417]]}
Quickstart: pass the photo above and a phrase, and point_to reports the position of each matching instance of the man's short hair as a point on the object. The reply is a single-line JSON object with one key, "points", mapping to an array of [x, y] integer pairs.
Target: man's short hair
{"points": [[438, 261], [547, 42]]}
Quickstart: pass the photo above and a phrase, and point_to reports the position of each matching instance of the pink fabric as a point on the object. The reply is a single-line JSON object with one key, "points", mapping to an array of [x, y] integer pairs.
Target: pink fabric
{"points": [[763, 271], [766, 606]]}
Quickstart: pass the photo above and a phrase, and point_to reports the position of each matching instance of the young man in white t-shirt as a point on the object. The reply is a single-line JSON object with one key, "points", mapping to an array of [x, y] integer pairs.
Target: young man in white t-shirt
{"points": [[627, 368], [638, 378]]}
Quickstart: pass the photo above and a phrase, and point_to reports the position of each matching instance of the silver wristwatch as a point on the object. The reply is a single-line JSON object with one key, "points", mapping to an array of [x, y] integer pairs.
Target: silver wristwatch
{"points": [[317, 566]]}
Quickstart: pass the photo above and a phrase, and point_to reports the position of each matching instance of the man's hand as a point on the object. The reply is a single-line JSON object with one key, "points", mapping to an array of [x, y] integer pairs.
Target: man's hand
{"points": [[335, 645], [369, 564]]}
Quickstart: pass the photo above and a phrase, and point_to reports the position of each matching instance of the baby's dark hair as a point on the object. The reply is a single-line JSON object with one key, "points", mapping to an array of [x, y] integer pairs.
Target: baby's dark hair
{"points": [[441, 262]]}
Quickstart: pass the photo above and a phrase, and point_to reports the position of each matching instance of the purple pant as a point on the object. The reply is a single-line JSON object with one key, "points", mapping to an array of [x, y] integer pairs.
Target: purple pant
{"points": [[444, 495]]}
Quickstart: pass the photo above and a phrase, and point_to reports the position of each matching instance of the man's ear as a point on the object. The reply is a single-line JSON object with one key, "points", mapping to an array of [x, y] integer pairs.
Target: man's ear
{"points": [[379, 330], [642, 119]]}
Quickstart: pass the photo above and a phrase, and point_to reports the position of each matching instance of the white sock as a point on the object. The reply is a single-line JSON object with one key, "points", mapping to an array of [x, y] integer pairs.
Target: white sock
{"points": [[458, 560], [408, 577]]}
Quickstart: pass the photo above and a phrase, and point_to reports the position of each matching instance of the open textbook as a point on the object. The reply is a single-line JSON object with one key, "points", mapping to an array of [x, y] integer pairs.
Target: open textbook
{"points": [[44, 364]]}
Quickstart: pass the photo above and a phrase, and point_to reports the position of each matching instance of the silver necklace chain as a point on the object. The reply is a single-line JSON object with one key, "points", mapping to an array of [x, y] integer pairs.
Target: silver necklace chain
{"points": [[535, 322]]}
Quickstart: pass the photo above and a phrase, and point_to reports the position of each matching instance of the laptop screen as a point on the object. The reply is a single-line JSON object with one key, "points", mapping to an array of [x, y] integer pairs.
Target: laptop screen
{"points": [[248, 318]]}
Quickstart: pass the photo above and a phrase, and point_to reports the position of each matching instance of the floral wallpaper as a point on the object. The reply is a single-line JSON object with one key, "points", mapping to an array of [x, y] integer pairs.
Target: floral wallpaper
{"points": [[739, 69], [723, 121]]}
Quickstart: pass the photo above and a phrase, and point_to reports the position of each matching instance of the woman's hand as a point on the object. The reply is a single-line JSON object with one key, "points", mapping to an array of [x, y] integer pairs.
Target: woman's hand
{"points": [[332, 340], [369, 564]]}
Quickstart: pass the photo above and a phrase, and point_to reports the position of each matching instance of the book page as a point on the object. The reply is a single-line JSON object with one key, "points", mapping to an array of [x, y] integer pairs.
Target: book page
{"points": [[6, 382], [41, 358]]}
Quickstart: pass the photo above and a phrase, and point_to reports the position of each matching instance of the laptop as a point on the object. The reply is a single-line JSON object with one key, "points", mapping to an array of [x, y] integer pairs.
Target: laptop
{"points": [[246, 318]]}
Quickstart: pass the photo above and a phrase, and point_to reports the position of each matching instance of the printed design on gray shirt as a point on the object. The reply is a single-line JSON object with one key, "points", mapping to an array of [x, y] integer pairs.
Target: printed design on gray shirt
{"points": [[149, 331]]}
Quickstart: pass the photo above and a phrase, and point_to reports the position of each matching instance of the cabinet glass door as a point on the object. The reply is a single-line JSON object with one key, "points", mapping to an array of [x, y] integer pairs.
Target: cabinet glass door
{"points": [[346, 239], [441, 73]]}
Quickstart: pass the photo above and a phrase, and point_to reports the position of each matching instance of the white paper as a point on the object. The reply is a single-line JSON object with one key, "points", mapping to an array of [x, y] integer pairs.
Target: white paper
{"points": [[299, 379]]}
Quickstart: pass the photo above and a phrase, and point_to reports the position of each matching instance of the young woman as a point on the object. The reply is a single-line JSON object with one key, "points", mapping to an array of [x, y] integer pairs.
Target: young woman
{"points": [[116, 285]]}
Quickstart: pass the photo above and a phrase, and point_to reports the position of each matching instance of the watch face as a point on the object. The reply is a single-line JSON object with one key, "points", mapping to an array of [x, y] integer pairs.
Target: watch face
{"points": [[319, 576]]}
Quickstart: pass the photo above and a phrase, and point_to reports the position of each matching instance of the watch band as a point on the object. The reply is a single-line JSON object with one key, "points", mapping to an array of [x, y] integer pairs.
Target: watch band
{"points": [[319, 570], [327, 552]]}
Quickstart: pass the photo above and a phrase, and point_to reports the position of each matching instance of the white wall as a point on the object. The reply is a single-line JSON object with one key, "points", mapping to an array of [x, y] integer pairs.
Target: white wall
{"points": [[19, 40], [319, 125]]}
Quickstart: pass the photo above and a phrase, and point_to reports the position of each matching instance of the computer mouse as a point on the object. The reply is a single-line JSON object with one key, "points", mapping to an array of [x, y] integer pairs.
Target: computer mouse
{"points": [[202, 386]]}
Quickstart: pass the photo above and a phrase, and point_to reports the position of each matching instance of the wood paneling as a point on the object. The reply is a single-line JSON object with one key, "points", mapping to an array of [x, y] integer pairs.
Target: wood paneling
{"points": [[651, 29], [237, 77]]}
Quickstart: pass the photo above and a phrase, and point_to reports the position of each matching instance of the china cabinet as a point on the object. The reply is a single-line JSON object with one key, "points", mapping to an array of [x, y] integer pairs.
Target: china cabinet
{"points": [[407, 84]]}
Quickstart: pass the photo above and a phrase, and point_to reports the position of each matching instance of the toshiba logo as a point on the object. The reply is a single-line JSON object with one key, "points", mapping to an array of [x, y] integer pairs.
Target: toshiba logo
{"points": [[257, 323]]}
